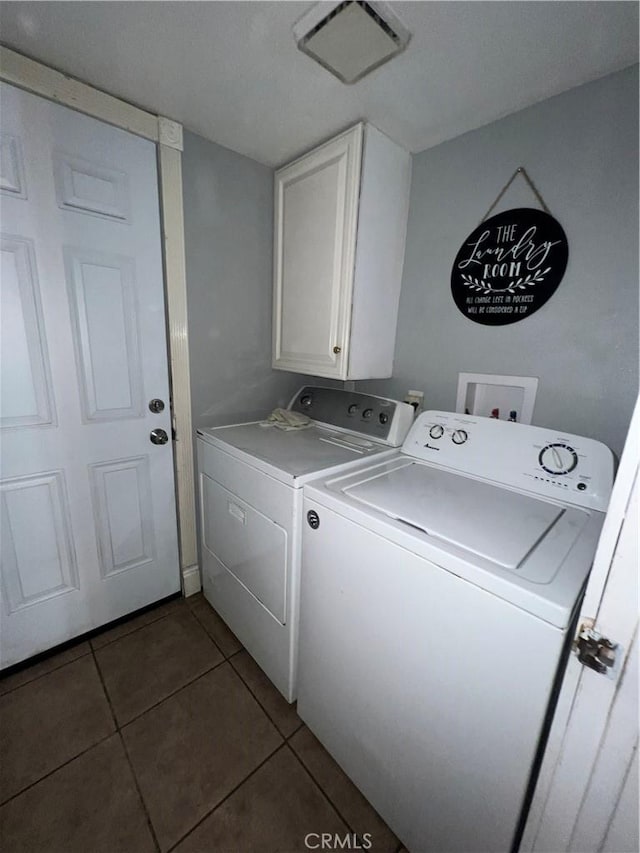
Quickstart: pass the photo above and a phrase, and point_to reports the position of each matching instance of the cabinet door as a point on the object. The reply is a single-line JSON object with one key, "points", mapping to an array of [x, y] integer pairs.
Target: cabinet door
{"points": [[316, 203]]}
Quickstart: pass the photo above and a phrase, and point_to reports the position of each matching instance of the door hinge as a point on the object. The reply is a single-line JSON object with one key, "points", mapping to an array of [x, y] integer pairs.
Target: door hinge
{"points": [[595, 651]]}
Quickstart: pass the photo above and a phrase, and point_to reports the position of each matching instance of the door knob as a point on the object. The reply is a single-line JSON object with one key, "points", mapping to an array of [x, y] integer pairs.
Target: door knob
{"points": [[158, 436]]}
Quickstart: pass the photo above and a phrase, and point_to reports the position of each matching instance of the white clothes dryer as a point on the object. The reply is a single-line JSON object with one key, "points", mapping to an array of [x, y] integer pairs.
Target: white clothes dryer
{"points": [[438, 592], [250, 480]]}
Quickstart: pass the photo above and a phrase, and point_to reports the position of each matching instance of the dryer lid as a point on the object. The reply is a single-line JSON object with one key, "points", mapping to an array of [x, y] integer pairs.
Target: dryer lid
{"points": [[493, 522]]}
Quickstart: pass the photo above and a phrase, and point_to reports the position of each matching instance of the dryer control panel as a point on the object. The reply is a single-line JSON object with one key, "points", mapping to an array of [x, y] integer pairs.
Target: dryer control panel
{"points": [[549, 463], [375, 417]]}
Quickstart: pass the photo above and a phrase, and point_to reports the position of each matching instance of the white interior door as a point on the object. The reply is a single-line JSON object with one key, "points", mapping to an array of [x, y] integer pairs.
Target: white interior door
{"points": [[586, 799], [88, 506]]}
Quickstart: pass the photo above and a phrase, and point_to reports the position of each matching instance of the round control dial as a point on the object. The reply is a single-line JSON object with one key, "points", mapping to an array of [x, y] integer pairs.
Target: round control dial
{"points": [[459, 436], [353, 408], [384, 418], [306, 401], [436, 431], [558, 458], [367, 413]]}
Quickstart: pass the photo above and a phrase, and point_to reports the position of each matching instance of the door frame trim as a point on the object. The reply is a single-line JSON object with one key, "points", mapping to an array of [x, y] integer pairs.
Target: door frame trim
{"points": [[33, 76]]}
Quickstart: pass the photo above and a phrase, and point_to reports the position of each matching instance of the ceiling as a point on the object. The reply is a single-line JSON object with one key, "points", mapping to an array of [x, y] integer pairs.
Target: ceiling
{"points": [[231, 71]]}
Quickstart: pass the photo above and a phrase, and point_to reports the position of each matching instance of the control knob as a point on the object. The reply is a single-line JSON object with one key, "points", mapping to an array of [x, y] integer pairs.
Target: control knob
{"points": [[558, 458], [436, 431], [459, 436]]}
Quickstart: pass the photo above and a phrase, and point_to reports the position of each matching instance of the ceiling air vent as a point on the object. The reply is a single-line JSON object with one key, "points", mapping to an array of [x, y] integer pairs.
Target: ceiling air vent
{"points": [[351, 38]]}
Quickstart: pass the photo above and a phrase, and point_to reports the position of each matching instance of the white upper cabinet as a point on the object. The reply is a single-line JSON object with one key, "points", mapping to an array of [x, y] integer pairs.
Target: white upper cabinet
{"points": [[340, 225]]}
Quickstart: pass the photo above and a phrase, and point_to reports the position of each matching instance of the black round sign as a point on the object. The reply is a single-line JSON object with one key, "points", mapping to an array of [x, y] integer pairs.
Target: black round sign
{"points": [[509, 266]]}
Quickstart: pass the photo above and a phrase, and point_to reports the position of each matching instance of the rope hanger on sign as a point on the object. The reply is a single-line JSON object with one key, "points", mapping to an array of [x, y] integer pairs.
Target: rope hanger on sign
{"points": [[519, 171]]}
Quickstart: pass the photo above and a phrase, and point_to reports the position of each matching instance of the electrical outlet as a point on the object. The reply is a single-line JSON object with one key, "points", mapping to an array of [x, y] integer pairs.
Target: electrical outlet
{"points": [[416, 399]]}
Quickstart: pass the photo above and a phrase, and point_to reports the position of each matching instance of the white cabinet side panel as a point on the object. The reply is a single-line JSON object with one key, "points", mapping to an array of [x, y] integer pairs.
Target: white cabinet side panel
{"points": [[382, 226]]}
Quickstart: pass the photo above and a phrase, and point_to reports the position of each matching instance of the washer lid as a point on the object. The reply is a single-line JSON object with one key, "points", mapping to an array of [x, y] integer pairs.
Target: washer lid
{"points": [[495, 523]]}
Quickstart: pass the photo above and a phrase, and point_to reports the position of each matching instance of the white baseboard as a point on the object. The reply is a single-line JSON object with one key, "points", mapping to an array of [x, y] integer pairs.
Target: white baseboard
{"points": [[191, 583]]}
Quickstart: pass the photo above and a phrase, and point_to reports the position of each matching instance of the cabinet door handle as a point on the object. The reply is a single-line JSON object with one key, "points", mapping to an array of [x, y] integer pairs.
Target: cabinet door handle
{"points": [[337, 350]]}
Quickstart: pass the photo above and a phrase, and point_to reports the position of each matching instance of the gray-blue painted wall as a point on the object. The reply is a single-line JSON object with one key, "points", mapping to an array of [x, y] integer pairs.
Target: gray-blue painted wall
{"points": [[228, 212], [581, 150]]}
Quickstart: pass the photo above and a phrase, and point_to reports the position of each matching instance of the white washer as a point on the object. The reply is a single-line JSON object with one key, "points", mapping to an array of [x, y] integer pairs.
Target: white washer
{"points": [[250, 480], [438, 590]]}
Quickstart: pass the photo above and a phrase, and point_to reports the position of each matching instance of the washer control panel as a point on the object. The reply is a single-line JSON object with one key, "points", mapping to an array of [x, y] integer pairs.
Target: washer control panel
{"points": [[374, 417], [571, 468]]}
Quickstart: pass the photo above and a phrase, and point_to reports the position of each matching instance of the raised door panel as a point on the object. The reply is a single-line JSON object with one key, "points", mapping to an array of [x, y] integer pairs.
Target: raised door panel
{"points": [[12, 180], [86, 187], [123, 510], [315, 221], [102, 300], [38, 558], [26, 396]]}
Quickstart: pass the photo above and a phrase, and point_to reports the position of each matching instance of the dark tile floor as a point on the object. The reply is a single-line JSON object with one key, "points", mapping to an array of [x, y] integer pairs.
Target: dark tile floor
{"points": [[163, 734]]}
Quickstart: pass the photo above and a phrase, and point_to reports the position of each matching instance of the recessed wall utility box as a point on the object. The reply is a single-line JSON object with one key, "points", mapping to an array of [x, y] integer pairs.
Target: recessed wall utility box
{"points": [[490, 395]]}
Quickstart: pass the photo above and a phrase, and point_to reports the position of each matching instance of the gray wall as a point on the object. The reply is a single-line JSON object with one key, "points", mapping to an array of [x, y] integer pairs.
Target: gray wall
{"points": [[228, 207], [581, 150]]}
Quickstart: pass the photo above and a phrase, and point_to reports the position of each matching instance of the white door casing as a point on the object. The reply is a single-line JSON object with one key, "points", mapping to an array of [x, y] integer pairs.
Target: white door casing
{"points": [[586, 799], [88, 505]]}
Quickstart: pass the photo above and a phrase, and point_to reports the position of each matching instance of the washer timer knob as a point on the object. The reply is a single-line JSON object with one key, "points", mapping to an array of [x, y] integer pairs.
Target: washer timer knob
{"points": [[436, 431], [459, 436], [558, 458]]}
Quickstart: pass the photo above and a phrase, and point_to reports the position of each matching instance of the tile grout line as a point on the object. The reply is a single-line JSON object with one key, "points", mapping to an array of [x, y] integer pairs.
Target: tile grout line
{"points": [[174, 692], [287, 738], [321, 789], [330, 801], [226, 796], [126, 753], [266, 712], [92, 650], [139, 792], [139, 628], [201, 624], [89, 641], [48, 672], [55, 769]]}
